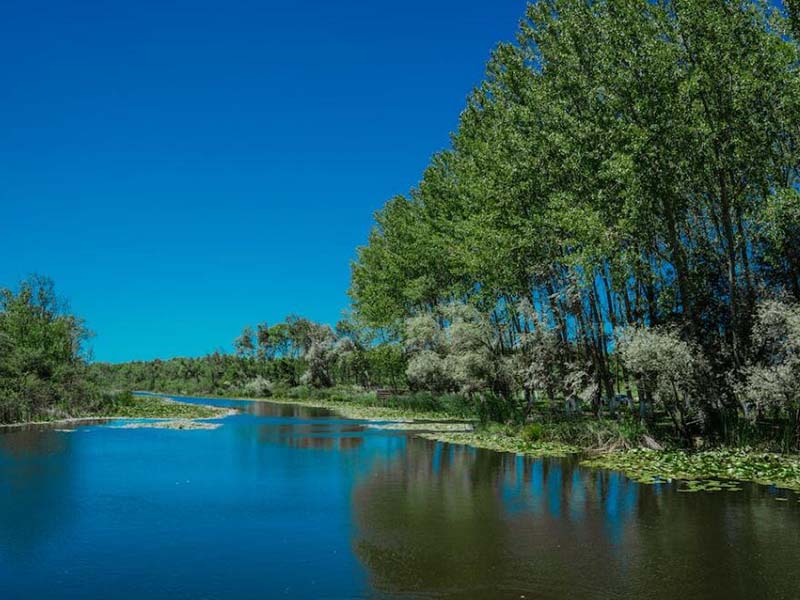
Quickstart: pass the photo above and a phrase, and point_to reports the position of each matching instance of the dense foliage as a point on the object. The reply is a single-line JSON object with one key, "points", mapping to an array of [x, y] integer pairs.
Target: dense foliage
{"points": [[42, 368], [269, 360], [620, 212]]}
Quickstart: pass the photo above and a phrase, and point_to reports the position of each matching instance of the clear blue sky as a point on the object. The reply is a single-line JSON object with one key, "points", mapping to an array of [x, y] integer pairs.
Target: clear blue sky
{"points": [[184, 168]]}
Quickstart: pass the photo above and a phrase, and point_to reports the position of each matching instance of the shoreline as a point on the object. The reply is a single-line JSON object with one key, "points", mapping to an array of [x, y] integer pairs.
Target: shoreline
{"points": [[66, 420], [218, 413], [344, 409], [706, 470]]}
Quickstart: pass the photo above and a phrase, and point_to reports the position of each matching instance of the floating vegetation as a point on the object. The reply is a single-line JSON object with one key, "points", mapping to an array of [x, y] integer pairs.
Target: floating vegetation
{"points": [[157, 407], [709, 485], [710, 470], [424, 426], [173, 424], [501, 441]]}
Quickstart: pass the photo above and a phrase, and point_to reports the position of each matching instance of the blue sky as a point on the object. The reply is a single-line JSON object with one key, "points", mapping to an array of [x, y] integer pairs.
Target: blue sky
{"points": [[184, 168]]}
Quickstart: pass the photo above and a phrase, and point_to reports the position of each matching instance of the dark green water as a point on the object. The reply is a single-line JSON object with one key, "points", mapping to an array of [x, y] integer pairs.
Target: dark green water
{"points": [[284, 501]]}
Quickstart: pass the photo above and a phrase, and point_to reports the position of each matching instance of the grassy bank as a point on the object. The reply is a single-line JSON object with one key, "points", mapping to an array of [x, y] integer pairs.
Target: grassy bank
{"points": [[129, 406], [619, 445], [124, 405], [376, 411]]}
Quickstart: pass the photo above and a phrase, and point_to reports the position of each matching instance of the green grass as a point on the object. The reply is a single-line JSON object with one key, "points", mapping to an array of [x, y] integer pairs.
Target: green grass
{"points": [[152, 407], [366, 411], [108, 405], [127, 406], [503, 439]]}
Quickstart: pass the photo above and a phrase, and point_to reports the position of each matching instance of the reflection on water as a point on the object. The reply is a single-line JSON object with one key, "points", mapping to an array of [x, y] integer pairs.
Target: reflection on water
{"points": [[459, 522], [36, 486], [272, 409], [292, 501]]}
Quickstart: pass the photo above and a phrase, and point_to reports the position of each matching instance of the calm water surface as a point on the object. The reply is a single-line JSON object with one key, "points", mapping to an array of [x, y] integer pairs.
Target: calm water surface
{"points": [[291, 501]]}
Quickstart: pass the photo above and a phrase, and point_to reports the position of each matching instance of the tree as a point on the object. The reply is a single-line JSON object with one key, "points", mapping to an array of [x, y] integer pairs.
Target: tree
{"points": [[244, 345], [772, 383], [671, 371], [319, 351], [42, 353], [626, 164]]}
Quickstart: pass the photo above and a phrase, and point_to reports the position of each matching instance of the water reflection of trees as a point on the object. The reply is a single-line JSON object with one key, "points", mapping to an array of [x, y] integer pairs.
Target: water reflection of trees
{"points": [[272, 409], [460, 522], [426, 521], [315, 436], [37, 478]]}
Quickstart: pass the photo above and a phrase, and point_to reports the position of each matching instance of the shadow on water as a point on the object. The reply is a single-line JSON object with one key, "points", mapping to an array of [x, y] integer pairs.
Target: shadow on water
{"points": [[292, 411], [453, 521], [37, 478], [317, 437], [274, 409]]}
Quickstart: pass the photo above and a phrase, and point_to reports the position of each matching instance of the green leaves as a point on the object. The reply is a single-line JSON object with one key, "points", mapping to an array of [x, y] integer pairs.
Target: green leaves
{"points": [[625, 163], [42, 368]]}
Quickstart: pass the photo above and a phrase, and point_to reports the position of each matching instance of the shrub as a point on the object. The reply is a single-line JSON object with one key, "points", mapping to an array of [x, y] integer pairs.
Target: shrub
{"points": [[533, 432], [258, 388], [771, 385], [670, 370], [427, 370]]}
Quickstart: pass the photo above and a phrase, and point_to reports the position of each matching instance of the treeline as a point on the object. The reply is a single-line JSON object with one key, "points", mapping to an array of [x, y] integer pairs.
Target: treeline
{"points": [[618, 215], [271, 360]]}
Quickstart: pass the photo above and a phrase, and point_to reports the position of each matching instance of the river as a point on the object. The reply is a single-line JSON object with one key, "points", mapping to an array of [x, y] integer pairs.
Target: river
{"points": [[287, 501]]}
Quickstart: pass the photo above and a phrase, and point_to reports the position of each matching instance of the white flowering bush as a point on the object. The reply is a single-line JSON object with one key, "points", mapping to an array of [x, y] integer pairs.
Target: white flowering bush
{"points": [[427, 370], [320, 355], [258, 387], [669, 369], [455, 349], [772, 376]]}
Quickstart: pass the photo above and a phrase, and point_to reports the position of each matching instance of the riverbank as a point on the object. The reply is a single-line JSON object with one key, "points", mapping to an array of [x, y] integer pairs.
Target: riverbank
{"points": [[615, 445], [611, 445], [127, 406]]}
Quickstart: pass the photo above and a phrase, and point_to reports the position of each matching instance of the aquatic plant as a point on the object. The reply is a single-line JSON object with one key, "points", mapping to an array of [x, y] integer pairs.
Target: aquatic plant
{"points": [[650, 466]]}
